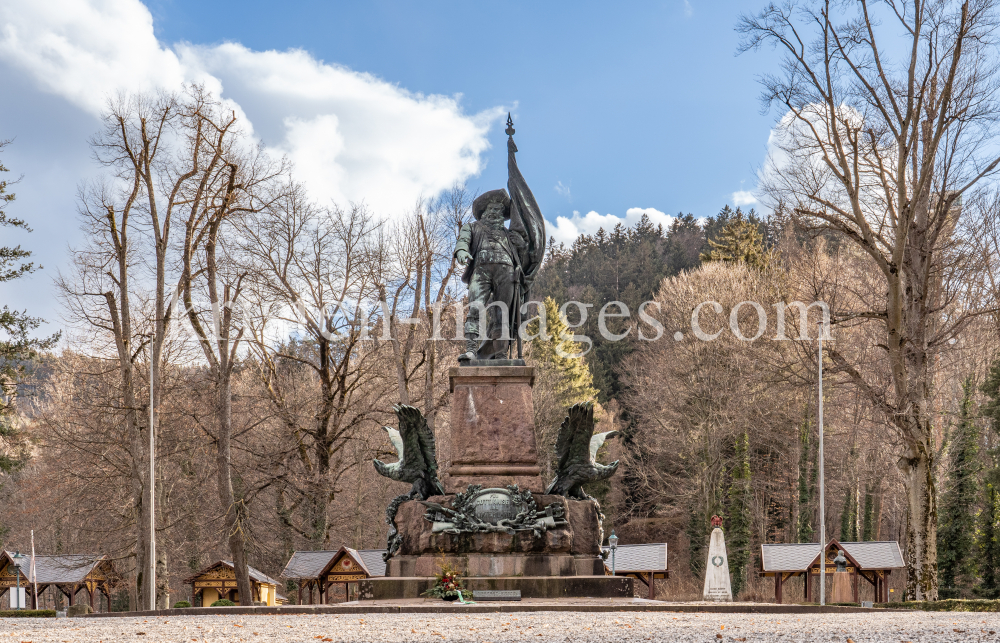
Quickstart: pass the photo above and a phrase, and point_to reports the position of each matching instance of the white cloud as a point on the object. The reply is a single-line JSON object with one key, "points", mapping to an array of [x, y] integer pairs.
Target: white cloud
{"points": [[562, 190], [351, 135], [744, 197], [688, 9], [84, 51], [567, 229]]}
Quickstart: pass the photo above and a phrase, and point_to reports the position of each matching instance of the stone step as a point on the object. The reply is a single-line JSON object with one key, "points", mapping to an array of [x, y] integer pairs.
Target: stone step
{"points": [[530, 586]]}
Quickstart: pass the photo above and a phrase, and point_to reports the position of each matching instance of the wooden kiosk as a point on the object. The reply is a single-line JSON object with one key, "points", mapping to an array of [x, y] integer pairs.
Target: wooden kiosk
{"points": [[646, 562], [69, 573], [872, 561], [317, 572], [218, 581]]}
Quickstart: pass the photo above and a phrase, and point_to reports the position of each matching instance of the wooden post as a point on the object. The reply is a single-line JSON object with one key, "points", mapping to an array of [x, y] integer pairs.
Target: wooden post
{"points": [[856, 585], [777, 588], [300, 590], [806, 584], [90, 593], [72, 595], [652, 585]]}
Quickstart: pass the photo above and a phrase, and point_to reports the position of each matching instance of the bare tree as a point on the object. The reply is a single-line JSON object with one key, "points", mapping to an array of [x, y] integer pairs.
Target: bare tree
{"points": [[413, 261], [110, 291], [883, 149], [311, 272], [235, 179]]}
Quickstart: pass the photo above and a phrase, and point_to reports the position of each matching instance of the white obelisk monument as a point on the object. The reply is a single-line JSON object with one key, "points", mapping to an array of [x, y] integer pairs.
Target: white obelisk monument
{"points": [[717, 584]]}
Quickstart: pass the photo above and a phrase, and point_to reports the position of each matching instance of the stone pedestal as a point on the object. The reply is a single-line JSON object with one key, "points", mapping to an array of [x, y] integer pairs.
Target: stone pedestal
{"points": [[492, 443], [717, 583], [841, 591], [573, 549], [492, 428]]}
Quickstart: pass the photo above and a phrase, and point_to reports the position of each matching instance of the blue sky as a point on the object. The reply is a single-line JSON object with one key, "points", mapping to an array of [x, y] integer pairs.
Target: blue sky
{"points": [[618, 106], [634, 104]]}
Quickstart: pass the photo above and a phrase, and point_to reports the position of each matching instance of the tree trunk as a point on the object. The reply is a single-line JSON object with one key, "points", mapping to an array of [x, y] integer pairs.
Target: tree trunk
{"points": [[227, 498], [917, 465]]}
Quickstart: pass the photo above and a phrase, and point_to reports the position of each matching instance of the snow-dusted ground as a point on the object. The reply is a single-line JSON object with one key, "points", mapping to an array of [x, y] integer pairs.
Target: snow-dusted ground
{"points": [[526, 626]]}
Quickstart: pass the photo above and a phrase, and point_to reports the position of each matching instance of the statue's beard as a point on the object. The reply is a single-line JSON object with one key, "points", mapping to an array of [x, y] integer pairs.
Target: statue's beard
{"points": [[496, 224]]}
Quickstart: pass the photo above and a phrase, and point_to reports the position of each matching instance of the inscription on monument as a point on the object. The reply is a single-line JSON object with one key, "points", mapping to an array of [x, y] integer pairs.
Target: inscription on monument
{"points": [[492, 507], [496, 595]]}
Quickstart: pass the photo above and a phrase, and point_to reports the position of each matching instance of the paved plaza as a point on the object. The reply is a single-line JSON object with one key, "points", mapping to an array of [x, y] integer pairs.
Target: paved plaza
{"points": [[526, 626]]}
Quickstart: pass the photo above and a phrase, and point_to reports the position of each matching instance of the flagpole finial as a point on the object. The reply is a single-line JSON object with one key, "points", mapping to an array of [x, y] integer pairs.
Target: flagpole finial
{"points": [[510, 126]]}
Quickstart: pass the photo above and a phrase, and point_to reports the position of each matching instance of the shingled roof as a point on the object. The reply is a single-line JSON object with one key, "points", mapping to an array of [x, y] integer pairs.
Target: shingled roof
{"points": [[255, 574], [372, 559], [639, 558], [791, 557], [307, 564], [310, 564], [876, 555], [62, 569]]}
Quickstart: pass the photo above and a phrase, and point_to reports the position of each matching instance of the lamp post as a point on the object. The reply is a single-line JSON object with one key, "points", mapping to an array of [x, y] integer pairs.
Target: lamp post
{"points": [[822, 498], [613, 541], [18, 557], [152, 475]]}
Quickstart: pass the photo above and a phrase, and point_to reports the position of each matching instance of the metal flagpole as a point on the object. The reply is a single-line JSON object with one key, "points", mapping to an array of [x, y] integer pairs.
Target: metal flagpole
{"points": [[822, 498], [152, 482], [32, 577]]}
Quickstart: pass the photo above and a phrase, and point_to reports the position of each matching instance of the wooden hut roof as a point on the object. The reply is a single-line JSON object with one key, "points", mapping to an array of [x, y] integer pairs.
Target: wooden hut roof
{"points": [[794, 557], [255, 574], [63, 569], [308, 564], [639, 558]]}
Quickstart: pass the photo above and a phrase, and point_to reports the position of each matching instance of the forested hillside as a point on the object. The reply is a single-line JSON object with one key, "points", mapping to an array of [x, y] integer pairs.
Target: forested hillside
{"points": [[628, 265]]}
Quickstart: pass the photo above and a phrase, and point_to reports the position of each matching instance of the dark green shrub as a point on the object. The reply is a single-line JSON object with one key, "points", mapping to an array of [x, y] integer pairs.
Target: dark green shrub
{"points": [[27, 613], [223, 602], [180, 604], [949, 605]]}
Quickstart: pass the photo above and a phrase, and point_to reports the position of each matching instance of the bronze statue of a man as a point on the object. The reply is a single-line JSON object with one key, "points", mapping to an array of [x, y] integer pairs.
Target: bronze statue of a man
{"points": [[500, 263]]}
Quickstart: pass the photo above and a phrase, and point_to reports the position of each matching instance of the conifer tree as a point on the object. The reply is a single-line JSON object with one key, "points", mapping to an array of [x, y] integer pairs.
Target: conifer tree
{"points": [[559, 360], [988, 535], [738, 510], [740, 240], [696, 532], [18, 349], [563, 379], [849, 518], [869, 527], [957, 516], [989, 544]]}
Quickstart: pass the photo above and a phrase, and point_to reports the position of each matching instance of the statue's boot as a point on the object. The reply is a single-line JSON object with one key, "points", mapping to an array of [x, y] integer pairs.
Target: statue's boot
{"points": [[493, 349], [471, 348]]}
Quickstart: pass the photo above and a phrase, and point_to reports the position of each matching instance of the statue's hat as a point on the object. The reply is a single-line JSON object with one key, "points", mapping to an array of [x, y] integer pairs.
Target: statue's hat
{"points": [[484, 199]]}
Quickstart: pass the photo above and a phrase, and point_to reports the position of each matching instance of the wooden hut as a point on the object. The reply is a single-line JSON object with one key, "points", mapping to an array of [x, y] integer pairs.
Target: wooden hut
{"points": [[348, 566], [305, 569], [316, 571], [872, 561], [69, 573], [218, 581], [646, 562]]}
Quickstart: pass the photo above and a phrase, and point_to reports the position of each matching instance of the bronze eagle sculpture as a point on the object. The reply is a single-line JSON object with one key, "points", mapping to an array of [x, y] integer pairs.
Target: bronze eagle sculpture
{"points": [[417, 464], [576, 449]]}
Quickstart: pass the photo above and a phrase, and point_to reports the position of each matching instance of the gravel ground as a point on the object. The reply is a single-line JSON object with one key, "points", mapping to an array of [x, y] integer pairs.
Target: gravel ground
{"points": [[526, 626]]}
